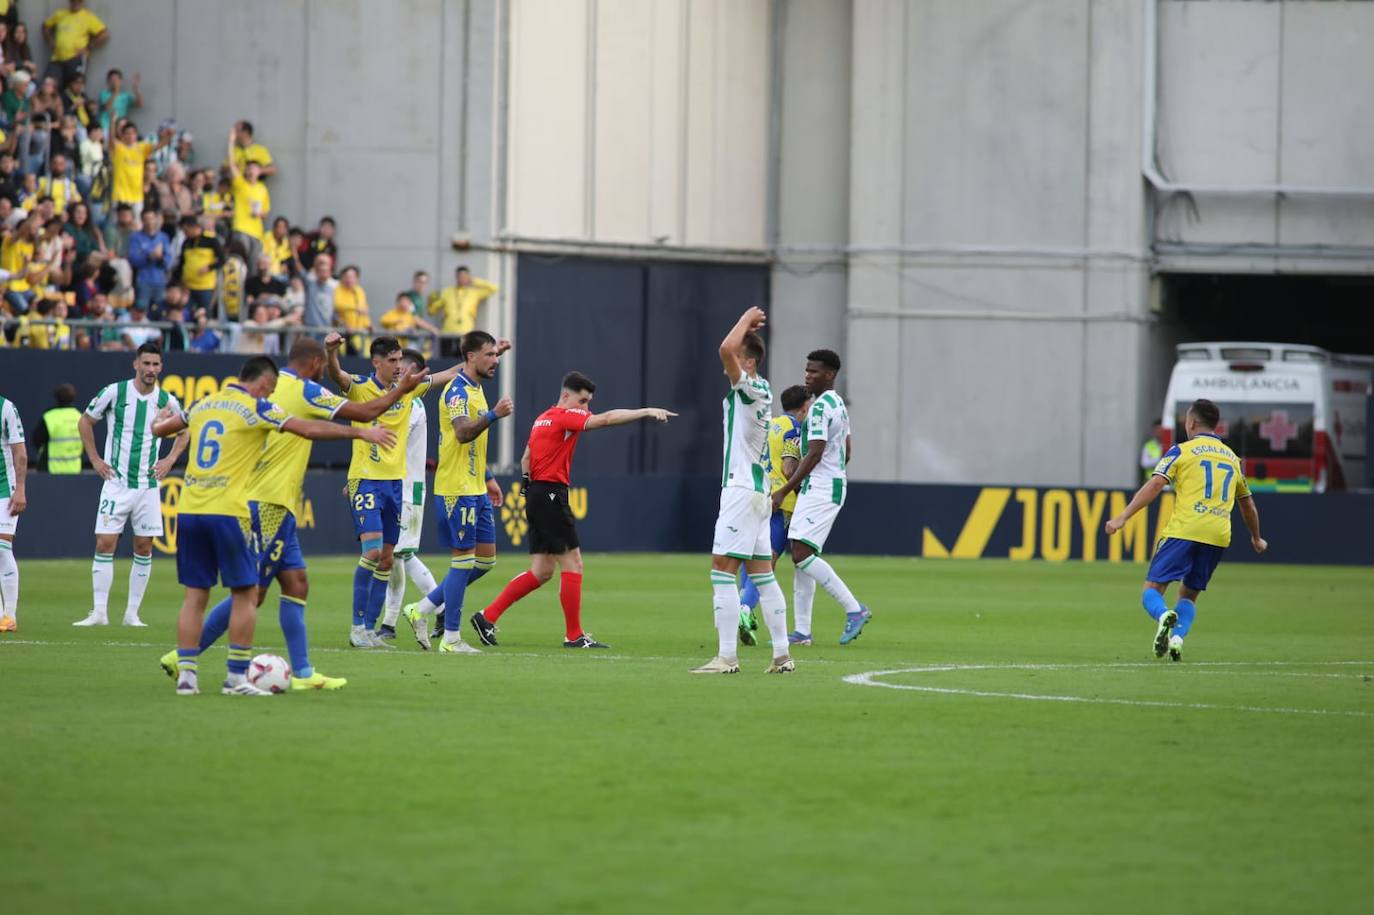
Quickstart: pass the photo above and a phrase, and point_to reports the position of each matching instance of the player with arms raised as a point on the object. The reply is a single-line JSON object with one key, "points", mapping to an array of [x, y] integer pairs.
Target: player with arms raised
{"points": [[1206, 475], [547, 465], [742, 526], [822, 485]]}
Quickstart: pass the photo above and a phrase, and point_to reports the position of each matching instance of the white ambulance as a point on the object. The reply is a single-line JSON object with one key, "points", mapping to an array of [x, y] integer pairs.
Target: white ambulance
{"points": [[1295, 415]]}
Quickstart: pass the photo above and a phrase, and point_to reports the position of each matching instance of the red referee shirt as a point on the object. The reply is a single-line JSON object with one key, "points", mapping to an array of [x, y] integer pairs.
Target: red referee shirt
{"points": [[553, 441]]}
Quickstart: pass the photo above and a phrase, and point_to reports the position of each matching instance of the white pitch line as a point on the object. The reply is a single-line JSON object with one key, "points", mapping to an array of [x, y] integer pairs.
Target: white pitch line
{"points": [[870, 678]]}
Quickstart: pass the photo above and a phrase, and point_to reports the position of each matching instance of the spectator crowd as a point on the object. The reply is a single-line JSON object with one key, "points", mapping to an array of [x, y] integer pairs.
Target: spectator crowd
{"points": [[103, 224]]}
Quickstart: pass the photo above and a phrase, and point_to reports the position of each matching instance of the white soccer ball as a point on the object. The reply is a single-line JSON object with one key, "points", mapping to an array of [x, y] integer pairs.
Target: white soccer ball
{"points": [[270, 672]]}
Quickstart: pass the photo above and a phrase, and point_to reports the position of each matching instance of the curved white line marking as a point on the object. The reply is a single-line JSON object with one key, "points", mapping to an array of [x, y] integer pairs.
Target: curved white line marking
{"points": [[871, 678]]}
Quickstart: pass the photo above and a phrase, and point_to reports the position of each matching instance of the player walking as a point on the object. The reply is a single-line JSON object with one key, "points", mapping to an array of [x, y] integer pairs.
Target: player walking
{"points": [[374, 479], [742, 527], [821, 485], [784, 453], [466, 522], [274, 497], [14, 464], [1206, 475], [132, 472], [547, 466], [215, 524]]}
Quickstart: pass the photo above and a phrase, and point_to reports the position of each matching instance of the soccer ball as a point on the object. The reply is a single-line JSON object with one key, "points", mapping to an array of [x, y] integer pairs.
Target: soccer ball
{"points": [[270, 672]]}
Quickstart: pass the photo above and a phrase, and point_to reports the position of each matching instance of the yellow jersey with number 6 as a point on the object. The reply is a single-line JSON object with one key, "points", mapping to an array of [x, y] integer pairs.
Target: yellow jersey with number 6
{"points": [[1207, 480], [228, 431]]}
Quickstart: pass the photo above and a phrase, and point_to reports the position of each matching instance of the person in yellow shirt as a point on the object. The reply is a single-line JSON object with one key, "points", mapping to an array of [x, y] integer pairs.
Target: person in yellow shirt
{"points": [[16, 259], [128, 155], [251, 203], [457, 306], [1208, 480], [243, 150], [402, 320], [59, 185], [278, 246], [350, 309], [73, 33], [47, 336]]}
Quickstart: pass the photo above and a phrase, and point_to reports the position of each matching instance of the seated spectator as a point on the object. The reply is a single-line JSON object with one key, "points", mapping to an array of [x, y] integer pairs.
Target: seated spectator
{"points": [[14, 101], [263, 282], [59, 185], [243, 150], [17, 50], [107, 336], [117, 237], [150, 256], [46, 101], [84, 284], [294, 300], [403, 322], [174, 305], [278, 244], [457, 306], [166, 142], [202, 256], [141, 332], [320, 286], [203, 339], [321, 241], [351, 311], [9, 177], [233, 276], [73, 33], [74, 101], [47, 336], [251, 203], [219, 205], [186, 151], [64, 141], [261, 333], [92, 151], [17, 259], [114, 101], [10, 215]]}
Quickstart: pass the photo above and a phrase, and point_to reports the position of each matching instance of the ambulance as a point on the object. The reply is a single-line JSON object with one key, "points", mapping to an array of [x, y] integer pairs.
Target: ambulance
{"points": [[1295, 415]]}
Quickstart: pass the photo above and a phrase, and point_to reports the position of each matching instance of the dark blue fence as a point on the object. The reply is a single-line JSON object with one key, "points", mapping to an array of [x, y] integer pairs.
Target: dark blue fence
{"points": [[676, 514]]}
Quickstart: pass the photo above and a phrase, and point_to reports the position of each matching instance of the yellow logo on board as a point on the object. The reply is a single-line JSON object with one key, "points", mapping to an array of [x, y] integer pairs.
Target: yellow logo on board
{"points": [[170, 492]]}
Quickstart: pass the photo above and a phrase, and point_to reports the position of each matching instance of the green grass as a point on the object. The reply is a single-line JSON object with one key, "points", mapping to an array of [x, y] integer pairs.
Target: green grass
{"points": [[537, 779]]}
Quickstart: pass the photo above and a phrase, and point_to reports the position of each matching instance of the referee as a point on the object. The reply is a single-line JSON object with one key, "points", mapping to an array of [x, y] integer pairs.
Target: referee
{"points": [[547, 465]]}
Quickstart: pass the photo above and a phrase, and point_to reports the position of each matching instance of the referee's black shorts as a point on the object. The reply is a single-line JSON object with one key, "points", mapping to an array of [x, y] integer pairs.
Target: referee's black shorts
{"points": [[550, 517]]}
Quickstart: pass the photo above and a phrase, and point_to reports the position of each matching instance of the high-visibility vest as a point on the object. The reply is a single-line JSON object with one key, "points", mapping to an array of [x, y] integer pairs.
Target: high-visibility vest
{"points": [[64, 439]]}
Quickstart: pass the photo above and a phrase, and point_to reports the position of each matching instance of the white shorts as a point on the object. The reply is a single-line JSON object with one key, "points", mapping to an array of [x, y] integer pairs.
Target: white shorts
{"points": [[8, 523], [742, 526], [815, 514], [119, 505], [412, 522]]}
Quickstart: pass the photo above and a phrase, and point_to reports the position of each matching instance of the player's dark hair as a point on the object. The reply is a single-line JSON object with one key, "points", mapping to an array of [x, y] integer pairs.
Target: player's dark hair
{"points": [[256, 367], [826, 357], [149, 348], [754, 347], [64, 394], [794, 397], [304, 349], [473, 341], [414, 357], [576, 382], [1206, 413], [383, 346]]}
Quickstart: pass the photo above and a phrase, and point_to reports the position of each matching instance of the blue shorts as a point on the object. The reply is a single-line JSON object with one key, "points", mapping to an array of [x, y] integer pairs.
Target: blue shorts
{"points": [[279, 549], [376, 508], [464, 521], [1184, 560], [215, 546], [777, 530]]}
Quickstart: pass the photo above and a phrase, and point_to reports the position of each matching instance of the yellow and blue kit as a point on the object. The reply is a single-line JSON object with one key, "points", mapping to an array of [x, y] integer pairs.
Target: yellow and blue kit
{"points": [[465, 517], [375, 473], [1207, 480]]}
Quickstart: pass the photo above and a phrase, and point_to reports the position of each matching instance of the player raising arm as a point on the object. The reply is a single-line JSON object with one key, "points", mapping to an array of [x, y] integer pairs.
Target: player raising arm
{"points": [[1206, 475], [547, 466], [214, 527]]}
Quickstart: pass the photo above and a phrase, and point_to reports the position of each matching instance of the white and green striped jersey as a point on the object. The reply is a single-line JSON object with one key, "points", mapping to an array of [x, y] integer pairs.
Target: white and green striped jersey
{"points": [[748, 408], [11, 433], [417, 443], [827, 426], [130, 446]]}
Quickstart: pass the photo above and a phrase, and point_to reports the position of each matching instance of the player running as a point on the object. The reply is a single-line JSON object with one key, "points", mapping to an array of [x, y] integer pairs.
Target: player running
{"points": [[784, 453], [466, 523], [374, 479], [132, 472], [821, 485], [1206, 476], [274, 497], [214, 522], [742, 526], [14, 464], [547, 466]]}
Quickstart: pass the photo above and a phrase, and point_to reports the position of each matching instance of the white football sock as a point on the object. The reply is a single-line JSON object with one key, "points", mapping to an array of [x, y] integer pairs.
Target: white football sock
{"points": [[9, 580], [426, 608], [817, 568], [803, 596], [420, 574], [102, 579], [139, 573], [774, 607], [395, 591], [725, 602]]}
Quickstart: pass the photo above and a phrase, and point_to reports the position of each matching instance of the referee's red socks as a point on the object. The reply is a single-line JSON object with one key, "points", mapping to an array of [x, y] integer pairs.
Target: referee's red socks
{"points": [[570, 594], [517, 588]]}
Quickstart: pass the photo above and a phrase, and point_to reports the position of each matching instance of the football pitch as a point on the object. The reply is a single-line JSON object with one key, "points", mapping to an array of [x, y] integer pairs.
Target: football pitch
{"points": [[1000, 739]]}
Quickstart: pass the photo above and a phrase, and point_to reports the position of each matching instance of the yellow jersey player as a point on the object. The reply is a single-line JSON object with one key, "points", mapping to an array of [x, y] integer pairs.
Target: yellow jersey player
{"points": [[784, 453], [374, 478], [214, 524], [1207, 480]]}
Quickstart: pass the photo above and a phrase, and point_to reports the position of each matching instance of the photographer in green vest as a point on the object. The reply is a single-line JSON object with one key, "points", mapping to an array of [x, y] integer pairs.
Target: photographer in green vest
{"points": [[58, 439]]}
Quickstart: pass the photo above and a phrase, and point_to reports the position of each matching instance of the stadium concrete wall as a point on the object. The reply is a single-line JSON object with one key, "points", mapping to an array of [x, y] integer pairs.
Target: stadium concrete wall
{"points": [[677, 514]]}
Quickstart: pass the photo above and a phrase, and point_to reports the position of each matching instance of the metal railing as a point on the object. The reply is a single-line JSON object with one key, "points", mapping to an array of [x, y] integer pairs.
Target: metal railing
{"points": [[232, 331]]}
